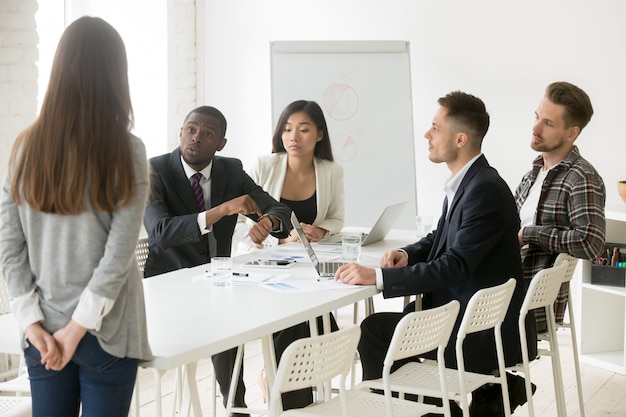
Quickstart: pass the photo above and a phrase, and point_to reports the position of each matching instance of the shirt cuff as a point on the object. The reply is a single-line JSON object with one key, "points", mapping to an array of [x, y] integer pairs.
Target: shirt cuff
{"points": [[26, 309], [201, 219], [530, 234], [91, 309], [379, 278]]}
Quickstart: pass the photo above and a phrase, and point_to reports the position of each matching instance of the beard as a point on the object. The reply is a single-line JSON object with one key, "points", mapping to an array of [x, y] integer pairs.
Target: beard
{"points": [[542, 146]]}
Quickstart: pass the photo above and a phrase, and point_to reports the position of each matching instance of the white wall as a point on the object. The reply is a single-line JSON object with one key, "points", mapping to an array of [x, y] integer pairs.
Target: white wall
{"points": [[505, 52], [18, 72]]}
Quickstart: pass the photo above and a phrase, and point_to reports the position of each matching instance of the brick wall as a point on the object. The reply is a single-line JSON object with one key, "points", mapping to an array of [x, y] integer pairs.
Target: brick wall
{"points": [[182, 65], [18, 72]]}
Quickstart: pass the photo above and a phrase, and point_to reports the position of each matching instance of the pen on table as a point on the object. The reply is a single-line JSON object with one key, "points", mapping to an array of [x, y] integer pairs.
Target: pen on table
{"points": [[240, 274]]}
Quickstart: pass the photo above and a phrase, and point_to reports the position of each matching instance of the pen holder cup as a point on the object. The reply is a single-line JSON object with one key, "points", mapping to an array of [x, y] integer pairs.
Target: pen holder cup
{"points": [[605, 272]]}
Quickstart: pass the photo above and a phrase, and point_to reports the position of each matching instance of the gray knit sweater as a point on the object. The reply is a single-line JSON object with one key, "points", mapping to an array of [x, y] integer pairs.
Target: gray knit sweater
{"points": [[60, 255]]}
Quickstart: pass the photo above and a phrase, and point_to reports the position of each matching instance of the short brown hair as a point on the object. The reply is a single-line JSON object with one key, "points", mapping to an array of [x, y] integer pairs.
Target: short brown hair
{"points": [[578, 109], [468, 113]]}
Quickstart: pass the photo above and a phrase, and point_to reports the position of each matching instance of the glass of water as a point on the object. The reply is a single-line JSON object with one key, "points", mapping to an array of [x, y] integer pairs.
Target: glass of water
{"points": [[222, 268], [424, 225], [351, 247]]}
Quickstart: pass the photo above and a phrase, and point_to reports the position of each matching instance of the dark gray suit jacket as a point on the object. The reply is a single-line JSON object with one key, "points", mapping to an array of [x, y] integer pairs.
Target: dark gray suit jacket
{"points": [[477, 247], [171, 213]]}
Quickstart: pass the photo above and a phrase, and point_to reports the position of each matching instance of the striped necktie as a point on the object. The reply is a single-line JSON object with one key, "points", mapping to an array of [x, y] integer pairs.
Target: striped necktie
{"points": [[199, 196], [197, 190]]}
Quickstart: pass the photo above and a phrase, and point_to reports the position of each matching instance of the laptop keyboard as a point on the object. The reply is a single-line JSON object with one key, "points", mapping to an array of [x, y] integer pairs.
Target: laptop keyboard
{"points": [[330, 267]]}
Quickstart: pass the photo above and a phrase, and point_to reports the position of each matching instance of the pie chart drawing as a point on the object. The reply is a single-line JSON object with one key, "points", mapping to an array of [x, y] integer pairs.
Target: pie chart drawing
{"points": [[340, 101]]}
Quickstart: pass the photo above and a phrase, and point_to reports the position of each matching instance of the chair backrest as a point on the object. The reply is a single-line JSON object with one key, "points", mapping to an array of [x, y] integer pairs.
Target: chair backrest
{"points": [[417, 333], [486, 309], [314, 361], [571, 265], [422, 331], [4, 296], [544, 287], [141, 252]]}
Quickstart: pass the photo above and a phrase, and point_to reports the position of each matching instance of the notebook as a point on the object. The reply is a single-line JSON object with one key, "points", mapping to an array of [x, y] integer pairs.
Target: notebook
{"points": [[380, 229], [324, 269]]}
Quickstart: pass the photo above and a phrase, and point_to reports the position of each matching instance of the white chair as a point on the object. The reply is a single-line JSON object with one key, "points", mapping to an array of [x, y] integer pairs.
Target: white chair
{"points": [[141, 255], [18, 384], [15, 407], [314, 362], [485, 310], [571, 267], [541, 293], [549, 336], [4, 308], [417, 333]]}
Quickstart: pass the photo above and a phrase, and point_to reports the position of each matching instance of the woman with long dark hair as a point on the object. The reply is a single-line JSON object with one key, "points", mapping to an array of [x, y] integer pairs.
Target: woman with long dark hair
{"points": [[71, 212]]}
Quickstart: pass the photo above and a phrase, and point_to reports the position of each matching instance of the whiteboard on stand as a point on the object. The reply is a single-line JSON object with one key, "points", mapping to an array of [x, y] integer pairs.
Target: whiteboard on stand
{"points": [[364, 89]]}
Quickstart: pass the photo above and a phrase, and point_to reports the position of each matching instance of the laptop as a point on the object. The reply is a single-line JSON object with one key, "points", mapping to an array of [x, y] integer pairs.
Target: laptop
{"points": [[324, 269], [380, 229]]}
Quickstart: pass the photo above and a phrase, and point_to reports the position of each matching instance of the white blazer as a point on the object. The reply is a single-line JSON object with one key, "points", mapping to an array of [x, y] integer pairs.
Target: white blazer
{"points": [[270, 170]]}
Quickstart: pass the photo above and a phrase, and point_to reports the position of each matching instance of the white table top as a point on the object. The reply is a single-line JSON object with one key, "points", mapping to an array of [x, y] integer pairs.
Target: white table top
{"points": [[190, 320]]}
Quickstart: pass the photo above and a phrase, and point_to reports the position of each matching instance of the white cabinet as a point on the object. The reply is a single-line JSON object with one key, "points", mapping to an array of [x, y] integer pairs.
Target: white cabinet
{"points": [[602, 314]]}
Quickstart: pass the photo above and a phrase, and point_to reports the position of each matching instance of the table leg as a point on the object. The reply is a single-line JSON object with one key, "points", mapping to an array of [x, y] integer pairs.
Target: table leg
{"points": [[191, 398]]}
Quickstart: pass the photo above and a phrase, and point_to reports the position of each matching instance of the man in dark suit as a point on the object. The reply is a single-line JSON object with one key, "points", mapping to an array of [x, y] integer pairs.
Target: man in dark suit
{"points": [[193, 206], [474, 246]]}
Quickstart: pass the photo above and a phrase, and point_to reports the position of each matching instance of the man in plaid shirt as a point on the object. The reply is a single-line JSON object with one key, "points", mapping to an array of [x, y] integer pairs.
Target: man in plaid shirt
{"points": [[561, 199]]}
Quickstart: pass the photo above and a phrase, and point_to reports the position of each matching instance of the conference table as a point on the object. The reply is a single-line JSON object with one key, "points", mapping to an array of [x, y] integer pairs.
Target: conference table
{"points": [[189, 318]]}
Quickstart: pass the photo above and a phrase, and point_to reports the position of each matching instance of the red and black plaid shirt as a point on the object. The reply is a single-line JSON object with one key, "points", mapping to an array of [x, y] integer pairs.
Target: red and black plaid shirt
{"points": [[569, 218]]}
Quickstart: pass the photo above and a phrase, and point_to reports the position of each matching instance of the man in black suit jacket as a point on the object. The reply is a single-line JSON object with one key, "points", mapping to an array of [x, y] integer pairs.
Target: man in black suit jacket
{"points": [[474, 246], [181, 235]]}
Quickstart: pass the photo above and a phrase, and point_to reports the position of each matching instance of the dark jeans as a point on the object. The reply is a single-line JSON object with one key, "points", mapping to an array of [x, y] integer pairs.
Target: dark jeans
{"points": [[102, 383]]}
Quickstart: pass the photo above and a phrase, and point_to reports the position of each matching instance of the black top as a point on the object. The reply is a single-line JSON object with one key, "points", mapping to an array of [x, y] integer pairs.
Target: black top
{"points": [[306, 210]]}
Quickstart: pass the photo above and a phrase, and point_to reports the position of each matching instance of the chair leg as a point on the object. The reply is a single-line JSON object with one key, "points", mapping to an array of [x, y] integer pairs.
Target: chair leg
{"points": [[157, 392], [572, 327], [503, 381], [134, 404], [526, 369], [556, 363], [369, 306], [214, 396]]}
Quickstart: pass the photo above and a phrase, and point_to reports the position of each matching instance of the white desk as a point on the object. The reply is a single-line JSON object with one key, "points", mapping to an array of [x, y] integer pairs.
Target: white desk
{"points": [[189, 321]]}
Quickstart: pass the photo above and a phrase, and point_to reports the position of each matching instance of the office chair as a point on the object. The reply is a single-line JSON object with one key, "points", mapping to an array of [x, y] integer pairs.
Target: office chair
{"points": [[141, 255], [15, 407], [571, 264], [416, 334], [486, 310], [541, 293], [314, 362]]}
